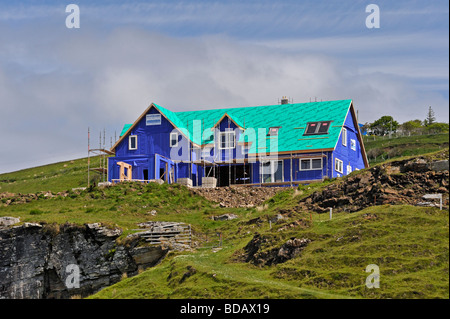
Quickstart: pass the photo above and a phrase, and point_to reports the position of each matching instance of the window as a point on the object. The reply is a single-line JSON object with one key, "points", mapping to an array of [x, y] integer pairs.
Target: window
{"points": [[245, 149], [317, 128], [273, 131], [338, 165], [206, 152], [344, 136], [227, 140], [353, 144], [174, 139], [307, 164], [323, 128], [271, 171], [153, 119], [132, 142], [349, 169]]}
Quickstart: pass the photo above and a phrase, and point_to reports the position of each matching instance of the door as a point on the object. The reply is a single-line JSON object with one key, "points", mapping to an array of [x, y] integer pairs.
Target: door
{"points": [[272, 171], [145, 173]]}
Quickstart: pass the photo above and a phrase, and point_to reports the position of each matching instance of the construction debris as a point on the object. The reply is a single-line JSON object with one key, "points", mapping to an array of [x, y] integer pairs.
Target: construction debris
{"points": [[238, 196]]}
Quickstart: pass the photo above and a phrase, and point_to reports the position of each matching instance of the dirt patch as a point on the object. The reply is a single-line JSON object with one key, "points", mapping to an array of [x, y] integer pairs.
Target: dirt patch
{"points": [[238, 196]]}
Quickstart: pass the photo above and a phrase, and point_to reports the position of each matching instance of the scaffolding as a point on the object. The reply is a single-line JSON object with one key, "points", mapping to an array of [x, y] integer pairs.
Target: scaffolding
{"points": [[102, 152]]}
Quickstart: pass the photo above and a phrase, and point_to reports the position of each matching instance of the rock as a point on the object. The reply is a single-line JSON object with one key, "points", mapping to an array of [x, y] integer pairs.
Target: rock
{"points": [[104, 231], [389, 191], [225, 217], [277, 218], [34, 259], [440, 165], [152, 212], [416, 165], [8, 221], [442, 190], [402, 181], [254, 250]]}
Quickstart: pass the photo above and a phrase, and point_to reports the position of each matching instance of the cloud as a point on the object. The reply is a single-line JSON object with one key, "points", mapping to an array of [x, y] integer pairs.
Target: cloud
{"points": [[54, 83]]}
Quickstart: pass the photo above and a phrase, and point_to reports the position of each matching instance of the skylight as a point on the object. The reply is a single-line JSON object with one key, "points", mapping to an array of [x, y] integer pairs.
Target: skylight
{"points": [[273, 131], [317, 128]]}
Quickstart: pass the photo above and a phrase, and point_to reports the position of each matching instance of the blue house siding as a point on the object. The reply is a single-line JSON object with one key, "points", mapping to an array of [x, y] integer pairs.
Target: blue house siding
{"points": [[349, 156], [153, 150]]}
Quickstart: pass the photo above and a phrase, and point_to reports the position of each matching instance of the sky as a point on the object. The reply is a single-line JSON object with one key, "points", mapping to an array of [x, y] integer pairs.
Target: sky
{"points": [[56, 82]]}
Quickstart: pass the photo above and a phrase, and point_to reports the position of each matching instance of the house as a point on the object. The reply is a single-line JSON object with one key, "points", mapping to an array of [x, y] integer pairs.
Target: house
{"points": [[284, 144]]}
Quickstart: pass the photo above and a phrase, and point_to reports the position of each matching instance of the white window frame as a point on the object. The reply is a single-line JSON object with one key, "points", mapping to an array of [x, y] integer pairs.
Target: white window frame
{"points": [[176, 138], [227, 141], [273, 164], [353, 144], [310, 164], [349, 169], [135, 143], [344, 136], [338, 165]]}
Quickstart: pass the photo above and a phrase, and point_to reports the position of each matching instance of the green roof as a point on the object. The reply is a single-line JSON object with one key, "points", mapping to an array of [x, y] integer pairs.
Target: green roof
{"points": [[292, 118], [125, 129]]}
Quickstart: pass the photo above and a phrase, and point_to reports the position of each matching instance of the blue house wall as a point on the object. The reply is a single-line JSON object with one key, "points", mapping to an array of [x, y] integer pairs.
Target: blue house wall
{"points": [[152, 153], [350, 157]]}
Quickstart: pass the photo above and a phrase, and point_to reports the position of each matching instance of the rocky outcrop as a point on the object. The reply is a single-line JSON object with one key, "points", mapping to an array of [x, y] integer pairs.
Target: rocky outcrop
{"points": [[255, 252], [42, 260], [397, 182]]}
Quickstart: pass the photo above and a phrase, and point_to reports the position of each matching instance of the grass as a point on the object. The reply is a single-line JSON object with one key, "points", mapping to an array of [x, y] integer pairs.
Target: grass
{"points": [[409, 244], [389, 148], [55, 177]]}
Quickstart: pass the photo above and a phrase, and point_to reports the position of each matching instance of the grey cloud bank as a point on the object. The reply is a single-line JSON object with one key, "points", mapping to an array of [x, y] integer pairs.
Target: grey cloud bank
{"points": [[56, 82]]}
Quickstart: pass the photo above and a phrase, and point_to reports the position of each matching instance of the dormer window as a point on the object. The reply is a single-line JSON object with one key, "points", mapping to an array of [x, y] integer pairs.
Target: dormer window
{"points": [[317, 128], [273, 131], [227, 140]]}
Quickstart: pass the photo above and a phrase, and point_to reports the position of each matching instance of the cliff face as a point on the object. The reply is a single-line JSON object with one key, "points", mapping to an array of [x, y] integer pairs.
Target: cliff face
{"points": [[60, 261]]}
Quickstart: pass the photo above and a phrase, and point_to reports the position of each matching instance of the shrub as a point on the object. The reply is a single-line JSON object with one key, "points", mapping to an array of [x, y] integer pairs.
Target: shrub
{"points": [[36, 212], [374, 153]]}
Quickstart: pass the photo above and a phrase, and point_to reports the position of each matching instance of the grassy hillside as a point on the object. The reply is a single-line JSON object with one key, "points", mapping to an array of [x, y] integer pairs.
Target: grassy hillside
{"points": [[53, 177], [380, 149], [409, 244]]}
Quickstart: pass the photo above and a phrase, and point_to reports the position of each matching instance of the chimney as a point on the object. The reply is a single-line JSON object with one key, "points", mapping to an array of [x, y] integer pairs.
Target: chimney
{"points": [[284, 100]]}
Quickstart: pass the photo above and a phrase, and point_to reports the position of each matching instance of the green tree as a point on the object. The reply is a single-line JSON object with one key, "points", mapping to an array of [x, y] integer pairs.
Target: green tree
{"points": [[413, 126], [384, 125], [437, 128], [430, 117]]}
